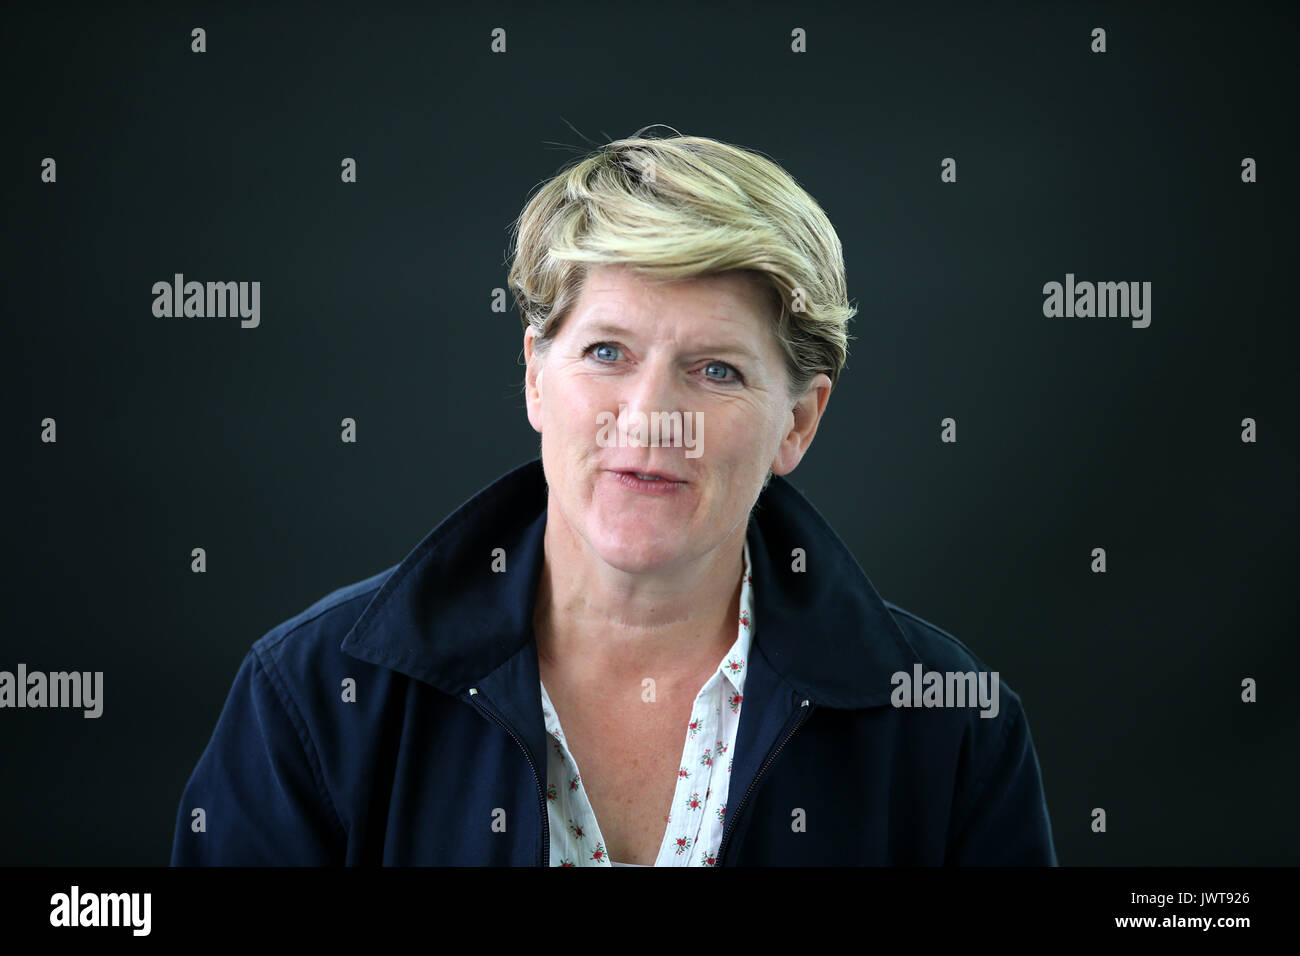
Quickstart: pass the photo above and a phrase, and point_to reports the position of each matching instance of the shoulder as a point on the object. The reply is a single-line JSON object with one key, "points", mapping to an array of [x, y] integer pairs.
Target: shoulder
{"points": [[940, 651], [305, 649], [308, 694], [998, 812]]}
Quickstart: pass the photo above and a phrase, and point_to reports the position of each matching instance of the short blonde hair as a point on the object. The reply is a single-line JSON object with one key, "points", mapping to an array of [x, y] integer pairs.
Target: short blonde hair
{"points": [[685, 207]]}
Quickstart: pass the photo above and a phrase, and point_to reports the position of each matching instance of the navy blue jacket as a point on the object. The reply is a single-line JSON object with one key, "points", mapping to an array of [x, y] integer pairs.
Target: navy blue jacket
{"points": [[437, 753]]}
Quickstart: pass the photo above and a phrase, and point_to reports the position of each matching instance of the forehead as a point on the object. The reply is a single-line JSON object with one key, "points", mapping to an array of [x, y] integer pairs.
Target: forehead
{"points": [[735, 301]]}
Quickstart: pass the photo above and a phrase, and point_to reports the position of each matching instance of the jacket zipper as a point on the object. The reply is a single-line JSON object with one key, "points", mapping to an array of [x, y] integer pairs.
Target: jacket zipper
{"points": [[477, 699], [805, 710]]}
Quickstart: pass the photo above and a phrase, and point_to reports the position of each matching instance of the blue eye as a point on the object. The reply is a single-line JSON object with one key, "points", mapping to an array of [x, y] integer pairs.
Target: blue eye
{"points": [[606, 353], [736, 376], [604, 347]]}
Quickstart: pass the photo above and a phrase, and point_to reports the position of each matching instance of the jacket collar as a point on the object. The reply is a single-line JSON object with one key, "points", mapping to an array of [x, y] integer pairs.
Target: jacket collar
{"points": [[446, 617]]}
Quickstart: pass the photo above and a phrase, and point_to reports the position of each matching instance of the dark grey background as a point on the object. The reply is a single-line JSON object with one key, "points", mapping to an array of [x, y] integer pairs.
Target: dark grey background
{"points": [[1073, 433]]}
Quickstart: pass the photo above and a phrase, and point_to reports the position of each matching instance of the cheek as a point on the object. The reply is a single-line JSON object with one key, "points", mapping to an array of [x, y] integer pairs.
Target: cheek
{"points": [[576, 409], [757, 437]]}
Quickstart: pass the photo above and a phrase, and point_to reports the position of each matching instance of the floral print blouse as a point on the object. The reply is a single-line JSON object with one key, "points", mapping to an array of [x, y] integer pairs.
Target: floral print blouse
{"points": [[699, 808]]}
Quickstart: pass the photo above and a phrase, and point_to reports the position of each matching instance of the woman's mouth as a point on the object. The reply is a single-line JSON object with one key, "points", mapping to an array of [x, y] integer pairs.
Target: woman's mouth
{"points": [[648, 482]]}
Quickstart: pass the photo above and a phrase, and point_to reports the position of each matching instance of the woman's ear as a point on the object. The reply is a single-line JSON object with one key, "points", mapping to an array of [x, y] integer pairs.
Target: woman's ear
{"points": [[804, 416], [533, 380]]}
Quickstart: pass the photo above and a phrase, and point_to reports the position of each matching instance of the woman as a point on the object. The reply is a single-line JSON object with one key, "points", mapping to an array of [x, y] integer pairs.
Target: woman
{"points": [[645, 648]]}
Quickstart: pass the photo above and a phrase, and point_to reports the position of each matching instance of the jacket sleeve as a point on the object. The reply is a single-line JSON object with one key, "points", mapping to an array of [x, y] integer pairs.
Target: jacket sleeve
{"points": [[1004, 822], [259, 786]]}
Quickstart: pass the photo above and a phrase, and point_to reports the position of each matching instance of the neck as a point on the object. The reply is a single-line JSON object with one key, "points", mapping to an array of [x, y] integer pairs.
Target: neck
{"points": [[596, 622]]}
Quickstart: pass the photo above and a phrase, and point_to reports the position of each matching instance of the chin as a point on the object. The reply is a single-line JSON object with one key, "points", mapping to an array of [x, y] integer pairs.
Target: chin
{"points": [[635, 550]]}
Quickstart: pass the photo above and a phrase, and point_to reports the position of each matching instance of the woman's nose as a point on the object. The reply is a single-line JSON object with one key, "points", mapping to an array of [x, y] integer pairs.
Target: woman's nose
{"points": [[654, 396]]}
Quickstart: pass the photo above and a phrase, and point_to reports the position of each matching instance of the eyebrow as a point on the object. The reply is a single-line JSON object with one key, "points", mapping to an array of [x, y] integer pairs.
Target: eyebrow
{"points": [[605, 327]]}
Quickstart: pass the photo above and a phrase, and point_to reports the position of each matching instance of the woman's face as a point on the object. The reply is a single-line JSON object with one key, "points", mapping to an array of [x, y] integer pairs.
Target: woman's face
{"points": [[704, 349]]}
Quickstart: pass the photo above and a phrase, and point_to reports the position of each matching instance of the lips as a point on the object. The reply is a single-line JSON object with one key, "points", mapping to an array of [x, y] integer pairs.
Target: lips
{"points": [[651, 475]]}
